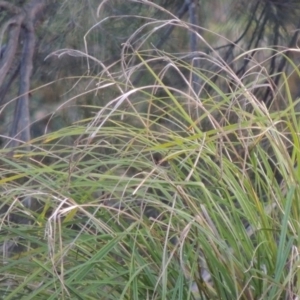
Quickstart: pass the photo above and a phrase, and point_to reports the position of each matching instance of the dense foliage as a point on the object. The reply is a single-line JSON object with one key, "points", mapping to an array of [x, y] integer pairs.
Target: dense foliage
{"points": [[164, 156]]}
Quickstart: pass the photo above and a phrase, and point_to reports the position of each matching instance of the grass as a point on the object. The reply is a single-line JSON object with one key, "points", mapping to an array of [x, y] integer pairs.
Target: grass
{"points": [[158, 197]]}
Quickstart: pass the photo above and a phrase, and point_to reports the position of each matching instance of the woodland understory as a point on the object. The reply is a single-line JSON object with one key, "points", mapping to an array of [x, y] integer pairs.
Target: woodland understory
{"points": [[149, 149]]}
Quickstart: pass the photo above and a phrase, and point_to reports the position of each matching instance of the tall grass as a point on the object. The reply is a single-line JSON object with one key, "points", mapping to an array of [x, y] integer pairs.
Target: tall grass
{"points": [[171, 195]]}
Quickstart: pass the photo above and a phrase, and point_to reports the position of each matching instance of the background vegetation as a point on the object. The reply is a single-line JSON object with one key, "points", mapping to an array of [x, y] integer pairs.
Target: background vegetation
{"points": [[150, 149]]}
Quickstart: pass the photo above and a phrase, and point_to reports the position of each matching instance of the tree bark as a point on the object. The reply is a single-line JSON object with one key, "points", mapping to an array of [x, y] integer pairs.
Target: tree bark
{"points": [[20, 30]]}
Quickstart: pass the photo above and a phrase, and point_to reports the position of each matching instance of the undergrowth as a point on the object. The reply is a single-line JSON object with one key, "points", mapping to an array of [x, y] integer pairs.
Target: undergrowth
{"points": [[182, 194]]}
